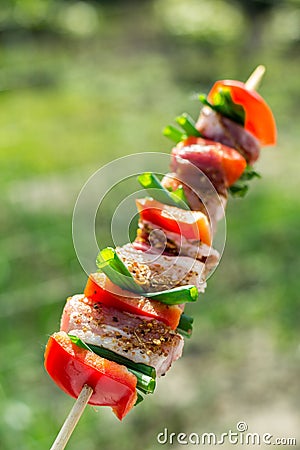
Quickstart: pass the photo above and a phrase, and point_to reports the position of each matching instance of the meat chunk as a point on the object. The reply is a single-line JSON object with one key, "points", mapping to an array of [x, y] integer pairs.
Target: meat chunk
{"points": [[156, 272], [221, 129], [173, 244], [143, 340], [193, 166]]}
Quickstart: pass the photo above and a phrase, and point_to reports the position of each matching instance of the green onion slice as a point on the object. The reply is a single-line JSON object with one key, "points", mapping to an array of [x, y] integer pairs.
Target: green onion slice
{"points": [[175, 296], [188, 125], [179, 193], [151, 183], [112, 356], [249, 173], [185, 326], [145, 383], [174, 134], [109, 263], [223, 104], [240, 188], [139, 399]]}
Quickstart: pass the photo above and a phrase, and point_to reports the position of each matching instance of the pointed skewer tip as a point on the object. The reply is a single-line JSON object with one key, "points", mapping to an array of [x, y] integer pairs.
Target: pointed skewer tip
{"points": [[255, 78]]}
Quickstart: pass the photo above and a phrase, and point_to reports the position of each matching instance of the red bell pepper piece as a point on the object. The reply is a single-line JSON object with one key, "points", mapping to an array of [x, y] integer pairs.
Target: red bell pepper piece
{"points": [[190, 224], [259, 119], [99, 288], [71, 367]]}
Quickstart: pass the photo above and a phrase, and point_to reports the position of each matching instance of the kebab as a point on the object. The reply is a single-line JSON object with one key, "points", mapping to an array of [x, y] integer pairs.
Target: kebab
{"points": [[126, 329]]}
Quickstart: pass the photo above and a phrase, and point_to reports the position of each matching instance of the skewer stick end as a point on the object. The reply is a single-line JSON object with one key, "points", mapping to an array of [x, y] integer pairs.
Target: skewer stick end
{"points": [[72, 419], [255, 78]]}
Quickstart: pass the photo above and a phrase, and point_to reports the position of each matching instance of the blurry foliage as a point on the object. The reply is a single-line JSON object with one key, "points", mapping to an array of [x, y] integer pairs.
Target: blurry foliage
{"points": [[77, 18], [219, 21], [214, 21], [83, 83]]}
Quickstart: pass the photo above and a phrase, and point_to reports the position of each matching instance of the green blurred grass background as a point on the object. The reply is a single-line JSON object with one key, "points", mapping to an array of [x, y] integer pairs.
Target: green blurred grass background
{"points": [[83, 83]]}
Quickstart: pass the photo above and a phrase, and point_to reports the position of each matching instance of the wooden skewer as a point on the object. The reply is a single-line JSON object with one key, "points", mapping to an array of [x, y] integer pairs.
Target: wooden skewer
{"points": [[255, 78], [72, 419]]}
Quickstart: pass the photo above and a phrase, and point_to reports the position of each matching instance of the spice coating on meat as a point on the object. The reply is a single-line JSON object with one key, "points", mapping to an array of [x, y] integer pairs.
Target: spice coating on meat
{"points": [[157, 272], [172, 244], [142, 340]]}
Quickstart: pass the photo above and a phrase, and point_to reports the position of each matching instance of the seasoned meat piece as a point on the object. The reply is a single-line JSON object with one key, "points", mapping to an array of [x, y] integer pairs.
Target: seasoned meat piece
{"points": [[143, 340], [172, 243], [156, 272]]}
